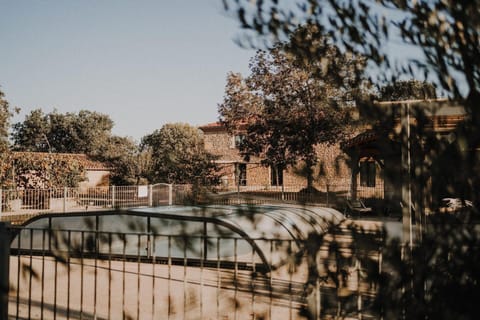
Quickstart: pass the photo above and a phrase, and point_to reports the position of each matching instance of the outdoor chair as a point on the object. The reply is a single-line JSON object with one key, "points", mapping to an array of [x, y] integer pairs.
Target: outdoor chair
{"points": [[356, 207]]}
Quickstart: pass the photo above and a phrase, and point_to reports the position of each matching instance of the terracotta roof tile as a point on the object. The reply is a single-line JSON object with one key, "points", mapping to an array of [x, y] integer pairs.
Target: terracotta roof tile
{"points": [[213, 126], [360, 139]]}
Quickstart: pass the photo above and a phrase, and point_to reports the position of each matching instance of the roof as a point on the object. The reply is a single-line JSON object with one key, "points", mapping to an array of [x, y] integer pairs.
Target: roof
{"points": [[218, 126], [443, 116], [361, 139], [85, 160], [213, 126]]}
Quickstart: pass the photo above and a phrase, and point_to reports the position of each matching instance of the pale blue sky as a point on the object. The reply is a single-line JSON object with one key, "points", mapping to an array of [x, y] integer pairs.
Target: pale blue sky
{"points": [[145, 63]]}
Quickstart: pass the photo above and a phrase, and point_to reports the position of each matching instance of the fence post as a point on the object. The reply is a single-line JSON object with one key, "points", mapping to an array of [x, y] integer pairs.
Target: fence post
{"points": [[150, 195], [4, 268], [327, 194], [113, 196], [170, 194], [65, 192]]}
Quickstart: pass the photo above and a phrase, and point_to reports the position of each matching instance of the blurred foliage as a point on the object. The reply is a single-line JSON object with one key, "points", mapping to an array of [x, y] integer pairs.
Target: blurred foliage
{"points": [[178, 156], [444, 32], [407, 90], [435, 279], [438, 277], [440, 40]]}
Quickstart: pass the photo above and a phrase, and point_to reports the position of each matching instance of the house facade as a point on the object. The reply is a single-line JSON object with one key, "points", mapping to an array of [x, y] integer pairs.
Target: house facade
{"points": [[235, 172]]}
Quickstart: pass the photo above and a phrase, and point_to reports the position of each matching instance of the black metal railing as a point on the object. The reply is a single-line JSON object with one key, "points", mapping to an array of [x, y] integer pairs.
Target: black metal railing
{"points": [[71, 274]]}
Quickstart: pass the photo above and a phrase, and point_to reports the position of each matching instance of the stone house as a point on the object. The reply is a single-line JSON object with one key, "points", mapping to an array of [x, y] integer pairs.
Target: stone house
{"points": [[332, 167], [370, 165]]}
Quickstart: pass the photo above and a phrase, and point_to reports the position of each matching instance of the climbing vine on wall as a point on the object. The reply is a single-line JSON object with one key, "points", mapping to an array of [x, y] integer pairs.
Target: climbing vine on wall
{"points": [[27, 170]]}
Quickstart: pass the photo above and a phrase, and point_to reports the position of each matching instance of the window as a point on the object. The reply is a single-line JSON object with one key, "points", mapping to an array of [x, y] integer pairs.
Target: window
{"points": [[276, 176], [368, 171], [237, 140], [241, 174]]}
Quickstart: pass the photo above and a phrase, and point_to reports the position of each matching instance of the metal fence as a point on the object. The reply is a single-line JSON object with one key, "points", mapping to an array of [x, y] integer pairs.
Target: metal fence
{"points": [[67, 274], [18, 205], [319, 193], [327, 195], [80, 199]]}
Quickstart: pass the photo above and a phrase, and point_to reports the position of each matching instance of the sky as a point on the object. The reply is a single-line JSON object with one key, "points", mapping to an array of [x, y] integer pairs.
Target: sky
{"points": [[144, 63]]}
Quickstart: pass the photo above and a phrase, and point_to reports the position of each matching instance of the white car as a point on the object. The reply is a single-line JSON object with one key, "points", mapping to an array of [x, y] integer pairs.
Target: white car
{"points": [[448, 205]]}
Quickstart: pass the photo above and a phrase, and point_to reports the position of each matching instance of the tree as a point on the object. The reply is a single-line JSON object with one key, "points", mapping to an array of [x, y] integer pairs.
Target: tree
{"points": [[32, 133], [287, 106], [83, 132], [124, 156], [178, 156], [5, 115]]}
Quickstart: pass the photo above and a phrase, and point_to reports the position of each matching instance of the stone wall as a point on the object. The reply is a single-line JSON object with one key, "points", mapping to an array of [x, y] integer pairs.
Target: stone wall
{"points": [[332, 167], [222, 145]]}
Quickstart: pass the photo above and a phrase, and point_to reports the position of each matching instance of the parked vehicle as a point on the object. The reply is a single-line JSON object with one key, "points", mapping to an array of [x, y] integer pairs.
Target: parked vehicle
{"points": [[454, 205]]}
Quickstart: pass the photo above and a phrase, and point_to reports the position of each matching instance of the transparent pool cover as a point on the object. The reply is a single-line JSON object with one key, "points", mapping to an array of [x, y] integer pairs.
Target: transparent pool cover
{"points": [[229, 233]]}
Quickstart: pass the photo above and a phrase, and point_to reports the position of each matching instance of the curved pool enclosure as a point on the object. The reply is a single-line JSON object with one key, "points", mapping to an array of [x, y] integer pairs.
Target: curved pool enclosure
{"points": [[244, 235]]}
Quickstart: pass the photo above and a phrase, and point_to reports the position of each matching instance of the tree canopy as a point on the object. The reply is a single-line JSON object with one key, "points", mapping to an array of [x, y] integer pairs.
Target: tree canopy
{"points": [[5, 116], [82, 132], [178, 156], [85, 132], [126, 160], [287, 106]]}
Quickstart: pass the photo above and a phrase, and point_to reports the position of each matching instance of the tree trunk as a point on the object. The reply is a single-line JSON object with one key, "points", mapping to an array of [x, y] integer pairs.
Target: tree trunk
{"points": [[309, 174]]}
